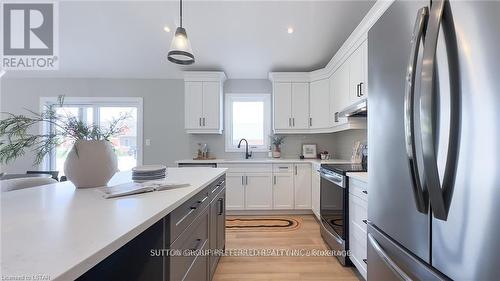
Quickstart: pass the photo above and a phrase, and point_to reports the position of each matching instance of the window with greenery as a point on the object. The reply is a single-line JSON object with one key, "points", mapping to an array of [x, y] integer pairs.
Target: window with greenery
{"points": [[248, 116], [102, 111]]}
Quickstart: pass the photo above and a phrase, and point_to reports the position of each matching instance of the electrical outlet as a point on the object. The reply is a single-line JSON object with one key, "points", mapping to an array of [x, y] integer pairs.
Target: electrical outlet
{"points": [[148, 142]]}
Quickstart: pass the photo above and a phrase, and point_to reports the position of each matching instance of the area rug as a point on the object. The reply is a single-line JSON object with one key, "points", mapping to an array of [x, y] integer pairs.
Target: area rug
{"points": [[267, 223]]}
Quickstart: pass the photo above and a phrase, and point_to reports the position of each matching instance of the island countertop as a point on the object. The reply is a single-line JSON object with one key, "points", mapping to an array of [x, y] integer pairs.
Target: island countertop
{"points": [[60, 232]]}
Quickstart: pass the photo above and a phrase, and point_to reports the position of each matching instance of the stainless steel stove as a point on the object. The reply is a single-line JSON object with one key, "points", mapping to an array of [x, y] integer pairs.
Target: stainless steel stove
{"points": [[334, 207]]}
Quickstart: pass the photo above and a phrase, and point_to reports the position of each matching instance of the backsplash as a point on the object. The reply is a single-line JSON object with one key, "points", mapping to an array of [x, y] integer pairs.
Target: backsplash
{"points": [[343, 142], [340, 144]]}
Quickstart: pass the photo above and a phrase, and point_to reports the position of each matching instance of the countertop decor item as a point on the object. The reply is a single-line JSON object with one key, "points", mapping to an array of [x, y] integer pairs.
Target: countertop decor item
{"points": [[309, 151], [277, 141], [149, 173], [324, 155], [91, 161]]}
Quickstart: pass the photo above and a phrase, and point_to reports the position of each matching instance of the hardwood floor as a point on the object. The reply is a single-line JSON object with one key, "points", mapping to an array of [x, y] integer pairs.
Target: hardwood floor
{"points": [[282, 268]]}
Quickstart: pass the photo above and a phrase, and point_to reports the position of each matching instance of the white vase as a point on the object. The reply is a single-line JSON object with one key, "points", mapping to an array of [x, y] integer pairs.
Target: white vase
{"points": [[90, 163]]}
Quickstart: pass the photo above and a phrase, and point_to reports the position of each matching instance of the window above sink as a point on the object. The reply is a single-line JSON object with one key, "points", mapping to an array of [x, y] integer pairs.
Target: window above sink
{"points": [[248, 116]]}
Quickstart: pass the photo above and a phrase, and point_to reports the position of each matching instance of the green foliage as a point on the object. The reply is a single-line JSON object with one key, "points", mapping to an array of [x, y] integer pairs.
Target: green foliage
{"points": [[16, 136], [277, 140]]}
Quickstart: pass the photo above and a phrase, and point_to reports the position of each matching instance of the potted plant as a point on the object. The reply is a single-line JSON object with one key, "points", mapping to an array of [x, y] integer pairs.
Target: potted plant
{"points": [[277, 141], [91, 161]]}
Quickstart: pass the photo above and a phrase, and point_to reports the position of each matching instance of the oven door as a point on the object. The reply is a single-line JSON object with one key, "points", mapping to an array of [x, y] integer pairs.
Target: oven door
{"points": [[333, 204]]}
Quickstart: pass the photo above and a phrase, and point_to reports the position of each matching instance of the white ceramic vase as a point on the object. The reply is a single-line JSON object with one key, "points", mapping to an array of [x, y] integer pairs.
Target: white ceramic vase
{"points": [[91, 163]]}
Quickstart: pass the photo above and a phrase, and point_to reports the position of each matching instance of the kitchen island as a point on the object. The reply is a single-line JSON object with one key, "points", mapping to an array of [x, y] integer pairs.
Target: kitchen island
{"points": [[59, 232]]}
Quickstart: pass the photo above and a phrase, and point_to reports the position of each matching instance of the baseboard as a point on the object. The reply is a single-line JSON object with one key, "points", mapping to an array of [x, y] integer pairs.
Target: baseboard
{"points": [[267, 212]]}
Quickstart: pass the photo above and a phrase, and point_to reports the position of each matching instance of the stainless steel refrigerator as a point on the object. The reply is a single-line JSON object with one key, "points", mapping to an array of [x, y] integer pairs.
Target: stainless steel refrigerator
{"points": [[434, 138]]}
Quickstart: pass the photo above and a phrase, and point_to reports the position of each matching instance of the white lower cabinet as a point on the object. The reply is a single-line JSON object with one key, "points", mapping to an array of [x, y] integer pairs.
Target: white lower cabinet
{"points": [[315, 192], [302, 186], [358, 215], [235, 191], [283, 191], [269, 186], [258, 191]]}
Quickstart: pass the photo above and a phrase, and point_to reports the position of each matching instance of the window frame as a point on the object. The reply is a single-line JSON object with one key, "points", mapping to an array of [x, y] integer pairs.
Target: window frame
{"points": [[49, 162], [229, 98]]}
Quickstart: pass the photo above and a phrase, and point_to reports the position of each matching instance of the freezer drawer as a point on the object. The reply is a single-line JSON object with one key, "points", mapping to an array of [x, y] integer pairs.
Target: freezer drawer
{"points": [[388, 261]]}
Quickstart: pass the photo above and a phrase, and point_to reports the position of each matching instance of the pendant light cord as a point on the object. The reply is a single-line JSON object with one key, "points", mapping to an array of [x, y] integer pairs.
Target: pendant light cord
{"points": [[181, 12]]}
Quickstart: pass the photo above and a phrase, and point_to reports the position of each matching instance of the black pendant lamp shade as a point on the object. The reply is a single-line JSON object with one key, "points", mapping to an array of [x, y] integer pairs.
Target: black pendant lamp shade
{"points": [[180, 48]]}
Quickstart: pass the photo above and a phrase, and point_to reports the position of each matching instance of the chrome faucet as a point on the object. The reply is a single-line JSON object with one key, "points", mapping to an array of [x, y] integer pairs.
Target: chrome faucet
{"points": [[247, 155]]}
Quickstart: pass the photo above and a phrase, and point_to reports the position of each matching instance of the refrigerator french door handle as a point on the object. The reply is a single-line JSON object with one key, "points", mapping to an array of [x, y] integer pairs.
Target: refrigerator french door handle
{"points": [[387, 260], [440, 195], [419, 191]]}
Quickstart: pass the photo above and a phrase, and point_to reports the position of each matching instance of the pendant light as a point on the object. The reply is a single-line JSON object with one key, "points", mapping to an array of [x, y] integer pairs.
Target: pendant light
{"points": [[180, 49]]}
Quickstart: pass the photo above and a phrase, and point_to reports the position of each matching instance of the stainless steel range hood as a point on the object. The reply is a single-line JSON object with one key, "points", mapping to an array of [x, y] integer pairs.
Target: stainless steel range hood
{"points": [[359, 109]]}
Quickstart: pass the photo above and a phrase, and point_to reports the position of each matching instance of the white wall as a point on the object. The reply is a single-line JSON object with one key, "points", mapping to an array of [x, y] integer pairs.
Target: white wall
{"points": [[163, 116]]}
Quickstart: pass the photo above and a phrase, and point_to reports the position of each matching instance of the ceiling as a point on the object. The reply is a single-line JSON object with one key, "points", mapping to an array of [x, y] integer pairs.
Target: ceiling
{"points": [[246, 39]]}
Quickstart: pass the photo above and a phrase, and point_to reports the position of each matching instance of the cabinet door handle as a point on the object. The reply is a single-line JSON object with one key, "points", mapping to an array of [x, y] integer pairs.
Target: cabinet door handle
{"points": [[296, 173], [361, 89], [310, 121], [365, 221], [221, 206], [365, 192], [274, 180], [204, 122], [246, 180], [203, 200], [366, 261], [293, 121], [185, 216], [197, 245], [199, 122], [242, 180], [289, 122], [357, 90]]}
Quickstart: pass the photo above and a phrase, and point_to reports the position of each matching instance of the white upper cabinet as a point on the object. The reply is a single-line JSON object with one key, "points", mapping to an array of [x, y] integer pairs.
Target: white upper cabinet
{"points": [[300, 106], [193, 104], [212, 105], [319, 105], [340, 93], [203, 93], [291, 107], [282, 101], [309, 102], [358, 73]]}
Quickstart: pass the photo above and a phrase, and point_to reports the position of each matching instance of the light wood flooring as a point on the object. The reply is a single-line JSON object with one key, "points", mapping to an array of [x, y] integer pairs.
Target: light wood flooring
{"points": [[282, 268]]}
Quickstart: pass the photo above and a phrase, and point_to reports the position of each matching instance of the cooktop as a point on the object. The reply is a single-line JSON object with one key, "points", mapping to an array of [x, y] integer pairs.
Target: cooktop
{"points": [[344, 168]]}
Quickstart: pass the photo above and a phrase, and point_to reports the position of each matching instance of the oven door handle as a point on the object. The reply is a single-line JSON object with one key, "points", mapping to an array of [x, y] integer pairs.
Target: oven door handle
{"points": [[333, 179]]}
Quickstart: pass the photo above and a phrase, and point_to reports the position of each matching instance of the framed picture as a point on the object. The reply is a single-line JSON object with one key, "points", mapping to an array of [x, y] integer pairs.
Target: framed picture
{"points": [[309, 151]]}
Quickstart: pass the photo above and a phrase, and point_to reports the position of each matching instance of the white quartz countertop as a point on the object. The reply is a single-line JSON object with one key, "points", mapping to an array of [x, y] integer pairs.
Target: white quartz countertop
{"points": [[61, 232], [264, 161], [362, 176]]}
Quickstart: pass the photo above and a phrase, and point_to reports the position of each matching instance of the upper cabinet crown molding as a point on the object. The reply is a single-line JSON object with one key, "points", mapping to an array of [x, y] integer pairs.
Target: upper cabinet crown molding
{"points": [[208, 76], [290, 77], [357, 37], [342, 82], [203, 98]]}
